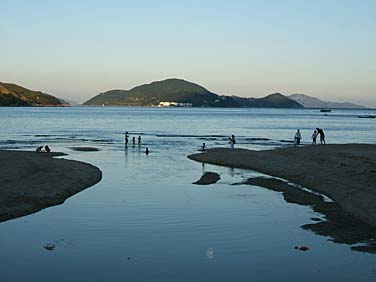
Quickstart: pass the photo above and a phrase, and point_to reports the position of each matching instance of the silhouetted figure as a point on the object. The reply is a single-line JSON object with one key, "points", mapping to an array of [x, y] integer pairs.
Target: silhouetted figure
{"points": [[139, 140], [133, 140], [314, 136], [39, 149], [232, 141], [298, 136], [147, 151], [126, 138], [322, 135], [204, 147], [47, 149]]}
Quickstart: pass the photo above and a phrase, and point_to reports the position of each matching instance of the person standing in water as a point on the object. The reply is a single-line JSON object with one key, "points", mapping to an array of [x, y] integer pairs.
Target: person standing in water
{"points": [[203, 147], [232, 141], [139, 140], [298, 136], [126, 138], [322, 135], [133, 140], [314, 136], [147, 151]]}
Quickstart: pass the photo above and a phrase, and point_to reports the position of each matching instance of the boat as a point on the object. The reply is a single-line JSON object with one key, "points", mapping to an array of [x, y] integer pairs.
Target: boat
{"points": [[367, 116], [325, 110]]}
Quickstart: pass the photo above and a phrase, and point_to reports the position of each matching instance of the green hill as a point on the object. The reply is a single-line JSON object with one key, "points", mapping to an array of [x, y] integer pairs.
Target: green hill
{"points": [[15, 95], [181, 91]]}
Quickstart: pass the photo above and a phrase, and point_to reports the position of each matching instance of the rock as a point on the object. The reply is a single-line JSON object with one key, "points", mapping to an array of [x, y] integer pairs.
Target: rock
{"points": [[208, 178], [50, 247]]}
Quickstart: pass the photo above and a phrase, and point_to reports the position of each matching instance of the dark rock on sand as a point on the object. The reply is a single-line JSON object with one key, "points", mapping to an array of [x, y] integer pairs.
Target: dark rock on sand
{"points": [[208, 178]]}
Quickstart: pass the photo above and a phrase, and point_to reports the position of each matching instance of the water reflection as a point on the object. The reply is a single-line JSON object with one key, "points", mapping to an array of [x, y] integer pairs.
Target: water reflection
{"points": [[338, 225]]}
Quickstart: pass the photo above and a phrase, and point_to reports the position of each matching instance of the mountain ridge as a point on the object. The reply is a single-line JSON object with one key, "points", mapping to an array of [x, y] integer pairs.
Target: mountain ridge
{"points": [[182, 91], [316, 103], [14, 95]]}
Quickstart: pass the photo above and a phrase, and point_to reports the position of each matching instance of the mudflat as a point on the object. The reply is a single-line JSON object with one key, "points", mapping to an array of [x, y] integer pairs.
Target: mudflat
{"points": [[345, 172], [31, 181]]}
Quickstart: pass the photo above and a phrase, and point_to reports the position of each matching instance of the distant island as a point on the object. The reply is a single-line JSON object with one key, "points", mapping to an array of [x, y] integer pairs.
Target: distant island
{"points": [[177, 92], [15, 95], [315, 103], [166, 93]]}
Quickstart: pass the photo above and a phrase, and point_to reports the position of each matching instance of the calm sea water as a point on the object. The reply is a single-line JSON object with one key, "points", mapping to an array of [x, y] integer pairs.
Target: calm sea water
{"points": [[145, 221]]}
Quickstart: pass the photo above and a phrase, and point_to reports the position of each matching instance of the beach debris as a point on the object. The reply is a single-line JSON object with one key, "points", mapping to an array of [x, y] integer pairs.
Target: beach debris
{"points": [[50, 247], [208, 178], [210, 253], [301, 248], [85, 149]]}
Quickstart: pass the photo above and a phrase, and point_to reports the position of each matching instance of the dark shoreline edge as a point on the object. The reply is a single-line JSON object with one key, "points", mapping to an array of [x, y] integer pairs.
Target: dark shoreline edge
{"points": [[30, 182]]}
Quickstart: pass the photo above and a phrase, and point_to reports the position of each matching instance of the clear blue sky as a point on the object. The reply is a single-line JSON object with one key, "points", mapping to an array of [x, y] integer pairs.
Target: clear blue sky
{"points": [[76, 49]]}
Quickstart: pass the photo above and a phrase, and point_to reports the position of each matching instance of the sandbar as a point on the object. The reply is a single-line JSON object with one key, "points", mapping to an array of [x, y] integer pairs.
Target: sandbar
{"points": [[31, 181], [344, 172]]}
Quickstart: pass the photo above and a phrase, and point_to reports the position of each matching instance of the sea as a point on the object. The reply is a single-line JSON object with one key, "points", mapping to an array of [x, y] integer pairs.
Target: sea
{"points": [[146, 221]]}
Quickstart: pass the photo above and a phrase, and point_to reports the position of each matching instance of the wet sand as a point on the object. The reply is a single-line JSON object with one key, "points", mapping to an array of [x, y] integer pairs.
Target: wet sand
{"points": [[32, 181], [345, 173]]}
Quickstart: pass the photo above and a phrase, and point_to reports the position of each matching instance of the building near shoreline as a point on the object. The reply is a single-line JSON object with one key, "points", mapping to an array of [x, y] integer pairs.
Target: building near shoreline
{"points": [[174, 104]]}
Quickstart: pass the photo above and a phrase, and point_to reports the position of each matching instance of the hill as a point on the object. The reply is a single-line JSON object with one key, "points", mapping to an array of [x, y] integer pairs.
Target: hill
{"points": [[15, 95], [312, 102], [181, 91]]}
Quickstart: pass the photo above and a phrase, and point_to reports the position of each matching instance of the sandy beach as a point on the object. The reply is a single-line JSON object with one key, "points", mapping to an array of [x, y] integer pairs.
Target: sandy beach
{"points": [[32, 181], [345, 173]]}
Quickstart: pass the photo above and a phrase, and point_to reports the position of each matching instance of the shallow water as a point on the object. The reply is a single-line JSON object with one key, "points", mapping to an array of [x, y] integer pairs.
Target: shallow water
{"points": [[145, 221]]}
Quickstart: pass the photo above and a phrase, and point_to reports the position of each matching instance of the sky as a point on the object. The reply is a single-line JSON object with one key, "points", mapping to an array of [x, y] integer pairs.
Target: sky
{"points": [[77, 49]]}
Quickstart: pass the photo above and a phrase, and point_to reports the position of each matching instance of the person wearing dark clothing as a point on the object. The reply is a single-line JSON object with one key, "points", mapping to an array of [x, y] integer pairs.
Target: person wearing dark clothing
{"points": [[47, 149], [133, 140], [147, 151], [126, 138], [39, 149], [139, 140], [322, 135], [314, 136], [232, 141]]}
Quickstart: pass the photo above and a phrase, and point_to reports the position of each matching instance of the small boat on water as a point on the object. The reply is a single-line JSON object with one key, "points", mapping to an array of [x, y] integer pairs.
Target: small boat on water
{"points": [[325, 110], [367, 116]]}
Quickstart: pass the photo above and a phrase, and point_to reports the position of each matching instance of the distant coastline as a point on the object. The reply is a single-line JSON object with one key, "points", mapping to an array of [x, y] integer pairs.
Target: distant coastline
{"points": [[166, 93]]}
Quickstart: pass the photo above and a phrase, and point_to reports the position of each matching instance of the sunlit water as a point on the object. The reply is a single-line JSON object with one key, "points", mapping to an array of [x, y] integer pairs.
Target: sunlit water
{"points": [[145, 221]]}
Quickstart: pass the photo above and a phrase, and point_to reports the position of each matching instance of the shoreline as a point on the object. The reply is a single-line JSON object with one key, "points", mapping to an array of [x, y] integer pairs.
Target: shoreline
{"points": [[345, 173], [30, 181]]}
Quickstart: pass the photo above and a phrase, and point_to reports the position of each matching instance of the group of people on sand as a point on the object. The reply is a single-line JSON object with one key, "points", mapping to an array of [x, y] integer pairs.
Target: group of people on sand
{"points": [[126, 141], [40, 149], [318, 132]]}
